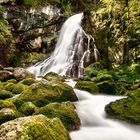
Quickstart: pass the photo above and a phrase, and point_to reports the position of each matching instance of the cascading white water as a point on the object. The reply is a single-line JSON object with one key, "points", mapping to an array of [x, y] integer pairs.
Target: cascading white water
{"points": [[71, 52], [95, 125]]}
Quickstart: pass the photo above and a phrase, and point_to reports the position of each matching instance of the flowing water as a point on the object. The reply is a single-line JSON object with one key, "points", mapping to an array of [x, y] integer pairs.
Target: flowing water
{"points": [[94, 123], [72, 51]]}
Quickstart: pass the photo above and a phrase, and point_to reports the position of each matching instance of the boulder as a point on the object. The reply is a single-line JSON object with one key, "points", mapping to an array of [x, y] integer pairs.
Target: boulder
{"points": [[4, 94], [87, 86], [27, 81], [5, 75], [53, 77], [27, 108], [42, 93], [7, 114], [21, 73], [37, 127], [64, 111], [7, 104]]}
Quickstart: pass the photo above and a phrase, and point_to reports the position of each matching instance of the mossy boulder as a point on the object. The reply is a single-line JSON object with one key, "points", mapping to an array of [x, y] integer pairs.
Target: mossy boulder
{"points": [[15, 88], [53, 77], [7, 104], [27, 81], [5, 75], [64, 111], [37, 127], [7, 114], [14, 81], [111, 87], [87, 86], [42, 93], [27, 108], [4, 94], [127, 109]]}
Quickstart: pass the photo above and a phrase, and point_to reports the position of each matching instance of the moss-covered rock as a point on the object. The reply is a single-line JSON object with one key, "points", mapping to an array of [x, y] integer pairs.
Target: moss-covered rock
{"points": [[5, 75], [53, 77], [4, 94], [7, 114], [15, 88], [127, 109], [27, 81], [36, 127], [111, 87], [7, 104], [87, 86], [64, 111], [42, 93], [14, 81], [17, 102], [27, 108]]}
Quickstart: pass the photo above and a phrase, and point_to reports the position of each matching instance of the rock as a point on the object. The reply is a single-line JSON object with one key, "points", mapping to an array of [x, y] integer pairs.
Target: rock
{"points": [[14, 81], [27, 81], [87, 86], [7, 104], [4, 94], [27, 108], [127, 109], [111, 87], [53, 77], [15, 88], [36, 127], [5, 75], [64, 111], [21, 73], [7, 114], [42, 93]]}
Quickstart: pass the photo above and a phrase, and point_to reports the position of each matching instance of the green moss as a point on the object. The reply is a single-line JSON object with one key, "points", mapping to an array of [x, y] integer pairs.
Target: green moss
{"points": [[14, 81], [28, 108], [64, 111], [108, 87], [36, 127], [4, 94], [7, 114], [7, 104], [87, 86], [42, 93], [15, 88], [27, 81], [53, 77]]}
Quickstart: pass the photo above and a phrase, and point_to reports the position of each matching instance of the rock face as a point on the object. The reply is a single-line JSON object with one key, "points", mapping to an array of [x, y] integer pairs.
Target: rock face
{"points": [[35, 128], [34, 28]]}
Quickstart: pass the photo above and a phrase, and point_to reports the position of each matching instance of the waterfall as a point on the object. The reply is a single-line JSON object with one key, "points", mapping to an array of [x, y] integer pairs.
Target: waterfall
{"points": [[72, 51]]}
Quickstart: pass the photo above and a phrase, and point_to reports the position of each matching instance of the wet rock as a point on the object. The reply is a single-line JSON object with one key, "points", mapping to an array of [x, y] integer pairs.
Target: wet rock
{"points": [[64, 111], [34, 127]]}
